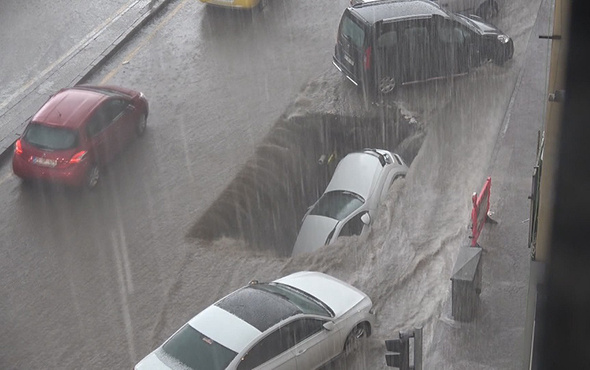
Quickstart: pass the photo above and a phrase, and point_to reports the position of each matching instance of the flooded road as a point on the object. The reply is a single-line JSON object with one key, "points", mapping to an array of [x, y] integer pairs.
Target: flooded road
{"points": [[242, 104]]}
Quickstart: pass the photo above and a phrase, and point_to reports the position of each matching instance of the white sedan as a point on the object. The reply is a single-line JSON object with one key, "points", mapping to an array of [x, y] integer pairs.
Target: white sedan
{"points": [[351, 200], [301, 321]]}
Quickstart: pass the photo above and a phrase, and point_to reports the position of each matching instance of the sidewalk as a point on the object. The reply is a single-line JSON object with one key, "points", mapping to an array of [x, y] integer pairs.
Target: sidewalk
{"points": [[75, 68], [495, 338]]}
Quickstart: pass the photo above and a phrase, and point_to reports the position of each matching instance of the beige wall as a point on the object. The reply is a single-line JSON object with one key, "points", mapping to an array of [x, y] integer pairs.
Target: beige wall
{"points": [[552, 127]]}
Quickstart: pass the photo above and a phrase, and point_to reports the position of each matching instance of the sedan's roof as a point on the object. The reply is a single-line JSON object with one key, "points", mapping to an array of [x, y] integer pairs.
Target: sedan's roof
{"points": [[355, 173]]}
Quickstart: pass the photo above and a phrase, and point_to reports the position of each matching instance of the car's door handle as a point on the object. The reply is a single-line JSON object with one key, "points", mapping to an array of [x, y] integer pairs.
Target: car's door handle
{"points": [[301, 351]]}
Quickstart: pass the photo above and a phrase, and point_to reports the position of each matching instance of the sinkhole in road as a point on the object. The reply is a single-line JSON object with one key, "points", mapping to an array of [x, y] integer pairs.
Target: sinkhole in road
{"points": [[266, 201]]}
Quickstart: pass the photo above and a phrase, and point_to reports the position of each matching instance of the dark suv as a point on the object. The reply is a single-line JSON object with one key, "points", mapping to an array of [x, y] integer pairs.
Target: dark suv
{"points": [[383, 44]]}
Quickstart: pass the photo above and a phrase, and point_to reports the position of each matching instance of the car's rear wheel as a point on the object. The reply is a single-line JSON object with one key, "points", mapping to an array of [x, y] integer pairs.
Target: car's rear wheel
{"points": [[141, 125], [355, 338], [92, 176], [386, 84]]}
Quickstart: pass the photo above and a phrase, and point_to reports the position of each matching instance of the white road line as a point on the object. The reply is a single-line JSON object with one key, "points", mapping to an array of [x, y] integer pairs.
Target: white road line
{"points": [[123, 291]]}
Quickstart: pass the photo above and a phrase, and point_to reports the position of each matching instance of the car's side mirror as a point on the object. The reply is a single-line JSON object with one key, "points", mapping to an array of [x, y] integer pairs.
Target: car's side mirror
{"points": [[365, 218], [329, 325]]}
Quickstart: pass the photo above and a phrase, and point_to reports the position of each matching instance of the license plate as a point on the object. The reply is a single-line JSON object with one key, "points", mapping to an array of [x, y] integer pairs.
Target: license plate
{"points": [[349, 59], [44, 162]]}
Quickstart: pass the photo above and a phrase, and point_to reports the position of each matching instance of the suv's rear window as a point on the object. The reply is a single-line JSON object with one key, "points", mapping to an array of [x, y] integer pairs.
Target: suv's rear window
{"points": [[353, 32], [51, 138]]}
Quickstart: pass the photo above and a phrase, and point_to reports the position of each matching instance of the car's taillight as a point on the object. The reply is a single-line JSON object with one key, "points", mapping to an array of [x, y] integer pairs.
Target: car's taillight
{"points": [[18, 147], [367, 59], [78, 157]]}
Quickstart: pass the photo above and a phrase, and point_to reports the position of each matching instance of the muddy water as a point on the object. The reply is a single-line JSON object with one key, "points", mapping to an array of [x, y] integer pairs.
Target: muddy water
{"points": [[265, 203]]}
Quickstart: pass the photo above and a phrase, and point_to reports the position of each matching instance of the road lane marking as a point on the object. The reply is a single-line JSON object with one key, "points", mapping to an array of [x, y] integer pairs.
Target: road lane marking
{"points": [[93, 34], [124, 292], [132, 54]]}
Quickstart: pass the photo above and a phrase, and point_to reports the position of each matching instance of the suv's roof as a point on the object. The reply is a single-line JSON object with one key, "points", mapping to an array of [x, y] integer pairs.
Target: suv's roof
{"points": [[376, 11]]}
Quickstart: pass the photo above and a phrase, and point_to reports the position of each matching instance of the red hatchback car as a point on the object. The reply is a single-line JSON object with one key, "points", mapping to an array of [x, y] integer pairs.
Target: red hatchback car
{"points": [[78, 131]]}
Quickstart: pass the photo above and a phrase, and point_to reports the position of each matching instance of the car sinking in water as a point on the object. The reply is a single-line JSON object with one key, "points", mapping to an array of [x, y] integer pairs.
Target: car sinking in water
{"points": [[351, 200]]}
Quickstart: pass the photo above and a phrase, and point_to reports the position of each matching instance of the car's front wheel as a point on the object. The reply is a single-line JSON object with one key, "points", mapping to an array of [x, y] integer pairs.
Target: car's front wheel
{"points": [[141, 125], [355, 338], [386, 84], [92, 176]]}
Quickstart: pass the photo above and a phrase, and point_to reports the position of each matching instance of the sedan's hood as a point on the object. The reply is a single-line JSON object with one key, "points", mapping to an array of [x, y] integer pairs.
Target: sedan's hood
{"points": [[313, 233], [338, 295], [151, 362]]}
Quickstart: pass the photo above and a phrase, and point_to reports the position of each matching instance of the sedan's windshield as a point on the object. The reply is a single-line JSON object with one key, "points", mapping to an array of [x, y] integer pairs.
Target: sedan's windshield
{"points": [[50, 138], [337, 204], [196, 351]]}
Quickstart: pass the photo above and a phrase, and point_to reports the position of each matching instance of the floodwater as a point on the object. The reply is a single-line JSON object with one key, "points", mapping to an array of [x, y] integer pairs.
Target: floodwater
{"points": [[446, 130]]}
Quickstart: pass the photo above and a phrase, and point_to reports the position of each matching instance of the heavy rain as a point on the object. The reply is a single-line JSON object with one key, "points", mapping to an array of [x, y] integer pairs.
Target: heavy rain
{"points": [[245, 106]]}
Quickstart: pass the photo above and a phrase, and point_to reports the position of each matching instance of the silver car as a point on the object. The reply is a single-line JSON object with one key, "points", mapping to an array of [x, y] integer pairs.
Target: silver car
{"points": [[301, 321], [351, 200]]}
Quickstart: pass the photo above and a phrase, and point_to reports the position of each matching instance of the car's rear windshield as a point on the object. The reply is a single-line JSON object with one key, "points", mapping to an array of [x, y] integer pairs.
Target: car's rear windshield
{"points": [[196, 351], [305, 302], [352, 31], [337, 204], [51, 138]]}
